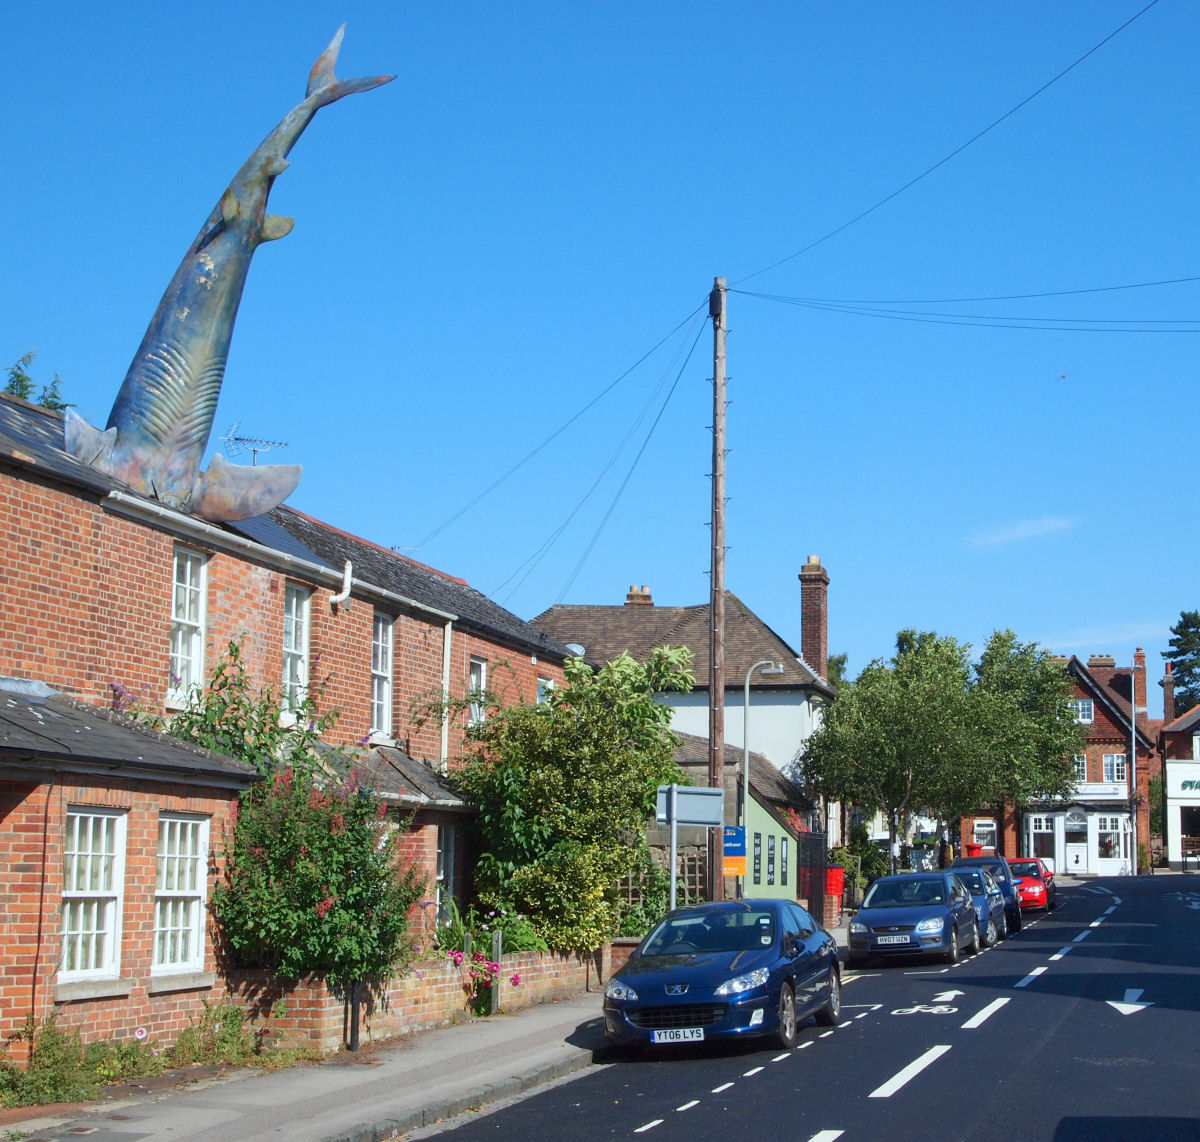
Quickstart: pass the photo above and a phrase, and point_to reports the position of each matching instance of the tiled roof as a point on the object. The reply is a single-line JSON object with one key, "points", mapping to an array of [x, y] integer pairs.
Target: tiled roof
{"points": [[42, 730], [400, 575], [33, 437], [1185, 722], [604, 632], [766, 782], [399, 777]]}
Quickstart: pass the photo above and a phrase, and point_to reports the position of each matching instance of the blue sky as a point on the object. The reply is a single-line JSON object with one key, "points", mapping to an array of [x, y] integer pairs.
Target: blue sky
{"points": [[545, 194]]}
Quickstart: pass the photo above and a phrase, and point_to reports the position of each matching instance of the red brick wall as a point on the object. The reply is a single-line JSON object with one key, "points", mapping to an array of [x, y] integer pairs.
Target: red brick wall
{"points": [[431, 993], [32, 829]]}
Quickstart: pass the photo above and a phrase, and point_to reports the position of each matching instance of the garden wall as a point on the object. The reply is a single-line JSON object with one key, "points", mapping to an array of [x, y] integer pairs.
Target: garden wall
{"points": [[431, 993]]}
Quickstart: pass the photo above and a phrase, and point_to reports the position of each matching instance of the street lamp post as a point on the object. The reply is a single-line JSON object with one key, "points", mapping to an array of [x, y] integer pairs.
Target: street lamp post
{"points": [[769, 666]]}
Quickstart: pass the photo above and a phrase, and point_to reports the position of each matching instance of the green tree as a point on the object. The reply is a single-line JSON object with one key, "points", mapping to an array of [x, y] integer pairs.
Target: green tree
{"points": [[564, 791], [1184, 657], [896, 737], [835, 670], [21, 384], [928, 731], [1029, 732]]}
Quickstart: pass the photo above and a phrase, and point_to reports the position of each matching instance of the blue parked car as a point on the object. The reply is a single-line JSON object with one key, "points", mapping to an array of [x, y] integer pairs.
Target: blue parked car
{"points": [[725, 970], [1003, 876], [988, 901], [914, 914]]}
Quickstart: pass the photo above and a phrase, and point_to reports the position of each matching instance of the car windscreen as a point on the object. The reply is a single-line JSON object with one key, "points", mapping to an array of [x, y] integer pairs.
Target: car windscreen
{"points": [[973, 880], [902, 892], [1024, 868], [728, 931]]}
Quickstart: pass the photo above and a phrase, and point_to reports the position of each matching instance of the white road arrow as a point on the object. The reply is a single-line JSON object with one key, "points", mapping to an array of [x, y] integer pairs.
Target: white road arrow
{"points": [[1130, 1004], [947, 996]]}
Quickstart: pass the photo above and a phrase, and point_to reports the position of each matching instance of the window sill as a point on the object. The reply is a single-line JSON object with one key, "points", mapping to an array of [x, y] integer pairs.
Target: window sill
{"points": [[92, 989], [181, 981]]}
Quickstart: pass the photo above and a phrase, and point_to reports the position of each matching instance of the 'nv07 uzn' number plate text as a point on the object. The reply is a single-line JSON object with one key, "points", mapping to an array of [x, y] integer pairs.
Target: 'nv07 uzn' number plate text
{"points": [[892, 939], [678, 1035]]}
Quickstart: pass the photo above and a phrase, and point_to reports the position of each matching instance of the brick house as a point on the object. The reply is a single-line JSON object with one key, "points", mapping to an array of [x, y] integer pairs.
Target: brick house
{"points": [[1092, 831], [786, 706], [107, 596], [107, 830]]}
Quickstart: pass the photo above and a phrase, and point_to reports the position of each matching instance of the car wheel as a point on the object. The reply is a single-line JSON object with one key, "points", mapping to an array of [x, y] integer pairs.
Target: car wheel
{"points": [[787, 1017], [829, 1015], [992, 936], [1004, 925], [975, 941], [1016, 927], [952, 950]]}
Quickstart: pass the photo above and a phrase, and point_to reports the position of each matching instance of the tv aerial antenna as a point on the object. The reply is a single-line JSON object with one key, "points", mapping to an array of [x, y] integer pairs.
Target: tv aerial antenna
{"points": [[235, 445]]}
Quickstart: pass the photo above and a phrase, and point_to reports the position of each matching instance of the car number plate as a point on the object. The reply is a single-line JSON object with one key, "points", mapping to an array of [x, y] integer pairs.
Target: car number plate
{"points": [[892, 939], [678, 1035]]}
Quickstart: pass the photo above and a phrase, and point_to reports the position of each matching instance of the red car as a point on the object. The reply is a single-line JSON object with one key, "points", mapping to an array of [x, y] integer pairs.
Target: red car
{"points": [[1036, 888]]}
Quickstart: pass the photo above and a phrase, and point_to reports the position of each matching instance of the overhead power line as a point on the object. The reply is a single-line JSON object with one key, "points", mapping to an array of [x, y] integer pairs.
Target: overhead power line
{"points": [[953, 154]]}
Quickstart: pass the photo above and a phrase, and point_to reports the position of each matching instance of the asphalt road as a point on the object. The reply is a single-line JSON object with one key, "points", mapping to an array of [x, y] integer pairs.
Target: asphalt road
{"points": [[1081, 1026]]}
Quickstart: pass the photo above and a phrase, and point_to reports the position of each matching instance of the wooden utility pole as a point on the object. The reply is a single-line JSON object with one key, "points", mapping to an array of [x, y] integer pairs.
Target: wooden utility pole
{"points": [[716, 634]]}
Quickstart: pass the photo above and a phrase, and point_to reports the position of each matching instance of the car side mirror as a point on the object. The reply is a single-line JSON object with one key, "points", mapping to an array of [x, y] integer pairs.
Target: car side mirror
{"points": [[1018, 881]]}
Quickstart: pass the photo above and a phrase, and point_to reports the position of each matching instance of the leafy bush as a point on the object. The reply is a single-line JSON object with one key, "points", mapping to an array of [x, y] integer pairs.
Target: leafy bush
{"points": [[313, 882]]}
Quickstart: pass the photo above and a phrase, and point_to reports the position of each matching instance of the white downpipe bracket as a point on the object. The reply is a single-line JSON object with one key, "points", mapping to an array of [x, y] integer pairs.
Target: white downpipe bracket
{"points": [[347, 580]]}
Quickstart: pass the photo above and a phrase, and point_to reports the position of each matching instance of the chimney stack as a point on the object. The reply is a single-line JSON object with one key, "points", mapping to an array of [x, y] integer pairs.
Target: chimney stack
{"points": [[1101, 660], [638, 597], [1168, 685], [1139, 683], [814, 617]]}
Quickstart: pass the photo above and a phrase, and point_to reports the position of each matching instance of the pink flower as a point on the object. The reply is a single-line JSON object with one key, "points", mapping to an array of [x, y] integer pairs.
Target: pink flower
{"points": [[516, 979], [140, 1033]]}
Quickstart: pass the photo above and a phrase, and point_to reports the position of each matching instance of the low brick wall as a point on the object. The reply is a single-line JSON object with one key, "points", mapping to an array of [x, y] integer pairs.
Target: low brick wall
{"points": [[431, 993]]}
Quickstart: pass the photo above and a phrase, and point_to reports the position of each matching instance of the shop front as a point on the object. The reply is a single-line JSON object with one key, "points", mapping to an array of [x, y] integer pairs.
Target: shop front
{"points": [[1182, 786], [1083, 839]]}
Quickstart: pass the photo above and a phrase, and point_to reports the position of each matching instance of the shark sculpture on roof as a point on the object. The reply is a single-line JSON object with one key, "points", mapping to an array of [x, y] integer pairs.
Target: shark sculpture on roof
{"points": [[160, 424]]}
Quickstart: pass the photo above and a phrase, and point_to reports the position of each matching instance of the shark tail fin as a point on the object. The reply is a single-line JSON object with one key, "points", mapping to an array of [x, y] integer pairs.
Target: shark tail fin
{"points": [[326, 86]]}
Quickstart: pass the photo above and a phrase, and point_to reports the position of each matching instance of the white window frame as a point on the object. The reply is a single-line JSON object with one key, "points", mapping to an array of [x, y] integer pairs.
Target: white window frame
{"points": [[476, 689], [545, 687], [297, 602], [180, 894], [1084, 710], [1115, 767], [983, 832], [447, 843], [93, 894], [1080, 761], [382, 647], [1110, 827], [189, 599]]}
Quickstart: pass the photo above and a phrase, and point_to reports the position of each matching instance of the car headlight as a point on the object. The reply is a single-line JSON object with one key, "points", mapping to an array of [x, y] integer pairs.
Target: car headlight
{"points": [[619, 989], [933, 924], [747, 982], [858, 927]]}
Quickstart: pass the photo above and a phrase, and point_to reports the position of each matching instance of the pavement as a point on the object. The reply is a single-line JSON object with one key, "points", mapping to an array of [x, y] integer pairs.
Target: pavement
{"points": [[387, 1090]]}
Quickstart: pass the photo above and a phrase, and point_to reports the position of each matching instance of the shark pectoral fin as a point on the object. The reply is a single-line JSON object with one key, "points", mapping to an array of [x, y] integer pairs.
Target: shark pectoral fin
{"points": [[275, 227], [230, 207], [87, 443], [233, 491]]}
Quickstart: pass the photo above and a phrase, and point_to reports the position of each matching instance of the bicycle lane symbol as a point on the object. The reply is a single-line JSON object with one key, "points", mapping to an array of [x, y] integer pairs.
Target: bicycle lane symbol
{"points": [[926, 1009]]}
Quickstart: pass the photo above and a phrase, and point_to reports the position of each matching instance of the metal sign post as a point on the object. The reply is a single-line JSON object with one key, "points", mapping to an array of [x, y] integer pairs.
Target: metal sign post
{"points": [[688, 805]]}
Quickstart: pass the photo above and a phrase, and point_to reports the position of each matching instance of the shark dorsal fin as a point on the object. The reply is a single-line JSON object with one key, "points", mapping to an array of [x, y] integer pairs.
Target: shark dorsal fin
{"points": [[275, 227]]}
